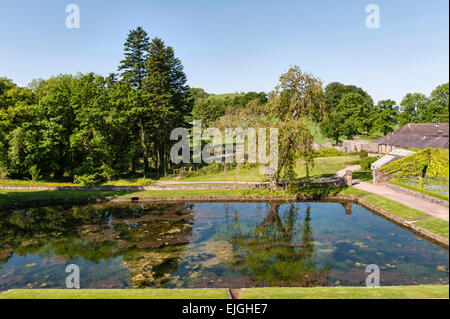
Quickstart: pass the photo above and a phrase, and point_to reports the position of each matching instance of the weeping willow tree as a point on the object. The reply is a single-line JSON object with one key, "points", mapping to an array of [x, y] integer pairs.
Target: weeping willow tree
{"points": [[296, 99]]}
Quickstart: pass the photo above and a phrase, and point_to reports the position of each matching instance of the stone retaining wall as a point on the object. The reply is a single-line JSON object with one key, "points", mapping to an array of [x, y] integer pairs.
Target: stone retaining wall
{"points": [[419, 195], [325, 182], [136, 188], [350, 146]]}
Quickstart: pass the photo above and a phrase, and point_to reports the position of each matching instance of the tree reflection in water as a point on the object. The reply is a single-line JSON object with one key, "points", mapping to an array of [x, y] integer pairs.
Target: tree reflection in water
{"points": [[277, 251], [142, 235]]}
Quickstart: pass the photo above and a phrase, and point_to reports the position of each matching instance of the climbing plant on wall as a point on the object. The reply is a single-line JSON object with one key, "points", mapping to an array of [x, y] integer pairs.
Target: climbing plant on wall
{"points": [[434, 160]]}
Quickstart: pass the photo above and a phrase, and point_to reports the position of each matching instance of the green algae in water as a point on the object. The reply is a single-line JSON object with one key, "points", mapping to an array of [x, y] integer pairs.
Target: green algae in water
{"points": [[186, 245]]}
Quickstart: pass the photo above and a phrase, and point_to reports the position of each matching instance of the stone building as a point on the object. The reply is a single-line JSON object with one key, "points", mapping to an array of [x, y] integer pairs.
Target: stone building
{"points": [[415, 135]]}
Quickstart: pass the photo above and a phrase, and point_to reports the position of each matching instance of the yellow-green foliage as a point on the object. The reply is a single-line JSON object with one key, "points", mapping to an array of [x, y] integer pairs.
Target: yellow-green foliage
{"points": [[434, 159]]}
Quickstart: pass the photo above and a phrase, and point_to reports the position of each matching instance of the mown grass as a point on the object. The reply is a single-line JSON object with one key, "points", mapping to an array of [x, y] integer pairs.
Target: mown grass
{"points": [[393, 292], [17, 182], [116, 294], [324, 166], [435, 225], [395, 208], [363, 175], [119, 182]]}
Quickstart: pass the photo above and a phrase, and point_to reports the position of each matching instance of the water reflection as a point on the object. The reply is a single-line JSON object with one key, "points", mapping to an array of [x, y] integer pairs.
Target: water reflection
{"points": [[278, 251], [211, 245]]}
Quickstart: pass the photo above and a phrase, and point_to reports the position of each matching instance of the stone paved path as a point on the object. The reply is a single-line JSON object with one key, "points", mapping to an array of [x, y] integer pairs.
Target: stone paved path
{"points": [[431, 209]]}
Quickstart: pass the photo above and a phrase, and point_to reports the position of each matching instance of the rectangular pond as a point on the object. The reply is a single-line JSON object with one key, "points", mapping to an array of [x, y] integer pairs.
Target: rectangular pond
{"points": [[211, 245]]}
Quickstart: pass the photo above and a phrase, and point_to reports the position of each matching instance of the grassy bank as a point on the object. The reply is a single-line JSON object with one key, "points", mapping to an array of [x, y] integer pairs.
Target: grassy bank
{"points": [[436, 225], [395, 208], [116, 294], [394, 292]]}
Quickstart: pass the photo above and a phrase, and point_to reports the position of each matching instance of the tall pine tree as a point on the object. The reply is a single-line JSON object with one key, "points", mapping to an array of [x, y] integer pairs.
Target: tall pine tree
{"points": [[132, 67], [167, 94], [133, 71]]}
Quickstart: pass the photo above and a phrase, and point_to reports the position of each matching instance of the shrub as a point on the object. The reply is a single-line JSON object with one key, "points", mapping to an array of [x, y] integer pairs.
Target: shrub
{"points": [[4, 173], [328, 152], [367, 162], [35, 173], [88, 179], [363, 154]]}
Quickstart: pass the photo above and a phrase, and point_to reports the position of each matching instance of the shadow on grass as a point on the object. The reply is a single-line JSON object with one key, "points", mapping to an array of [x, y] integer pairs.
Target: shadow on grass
{"points": [[362, 175], [36, 197]]}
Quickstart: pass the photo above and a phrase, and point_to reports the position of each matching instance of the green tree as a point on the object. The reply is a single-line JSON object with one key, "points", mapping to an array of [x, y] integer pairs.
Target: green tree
{"points": [[167, 97], [438, 110], [412, 108], [133, 71], [209, 110], [297, 98], [132, 67], [386, 114], [341, 121]]}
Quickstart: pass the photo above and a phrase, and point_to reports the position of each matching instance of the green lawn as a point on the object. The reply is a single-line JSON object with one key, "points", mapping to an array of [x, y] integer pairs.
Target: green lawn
{"points": [[324, 166], [435, 225], [116, 294], [363, 175], [395, 208], [394, 292], [119, 182]]}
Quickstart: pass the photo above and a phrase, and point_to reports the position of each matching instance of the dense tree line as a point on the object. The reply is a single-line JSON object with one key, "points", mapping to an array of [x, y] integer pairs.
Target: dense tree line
{"points": [[352, 111], [89, 128]]}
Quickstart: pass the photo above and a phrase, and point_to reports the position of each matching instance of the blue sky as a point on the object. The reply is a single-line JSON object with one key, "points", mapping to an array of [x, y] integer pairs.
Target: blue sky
{"points": [[238, 45]]}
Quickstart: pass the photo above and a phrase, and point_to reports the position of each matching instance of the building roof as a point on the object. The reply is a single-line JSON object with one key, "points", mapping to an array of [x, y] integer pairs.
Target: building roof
{"points": [[419, 135], [391, 157]]}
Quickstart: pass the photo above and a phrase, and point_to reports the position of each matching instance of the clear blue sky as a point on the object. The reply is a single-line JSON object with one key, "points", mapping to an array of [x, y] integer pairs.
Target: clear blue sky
{"points": [[238, 45]]}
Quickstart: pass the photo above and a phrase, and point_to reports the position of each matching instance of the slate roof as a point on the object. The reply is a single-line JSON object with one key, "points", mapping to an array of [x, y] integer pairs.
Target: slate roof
{"points": [[419, 135]]}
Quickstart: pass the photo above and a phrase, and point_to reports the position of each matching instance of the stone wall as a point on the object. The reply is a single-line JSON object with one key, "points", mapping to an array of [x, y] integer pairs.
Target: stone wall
{"points": [[349, 146], [419, 195], [380, 176], [137, 188]]}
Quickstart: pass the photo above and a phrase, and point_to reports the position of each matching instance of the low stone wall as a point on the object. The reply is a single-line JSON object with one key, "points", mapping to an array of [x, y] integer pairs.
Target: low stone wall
{"points": [[320, 182], [419, 195], [349, 146], [137, 188]]}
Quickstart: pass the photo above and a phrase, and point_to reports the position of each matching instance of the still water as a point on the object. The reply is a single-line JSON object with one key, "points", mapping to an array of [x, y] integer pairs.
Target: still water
{"points": [[211, 245]]}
